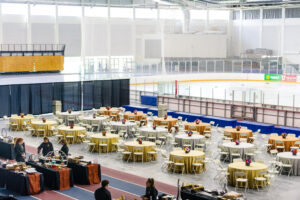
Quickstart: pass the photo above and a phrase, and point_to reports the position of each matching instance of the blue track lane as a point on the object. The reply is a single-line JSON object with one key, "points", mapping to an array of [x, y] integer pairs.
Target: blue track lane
{"points": [[5, 192]]}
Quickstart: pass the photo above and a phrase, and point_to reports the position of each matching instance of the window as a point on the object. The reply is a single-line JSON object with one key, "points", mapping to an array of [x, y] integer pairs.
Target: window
{"points": [[42, 10], [14, 9], [236, 15], [145, 13], [121, 13], [74, 11], [198, 14], [292, 12], [272, 13], [171, 14], [96, 11], [218, 15], [251, 14]]}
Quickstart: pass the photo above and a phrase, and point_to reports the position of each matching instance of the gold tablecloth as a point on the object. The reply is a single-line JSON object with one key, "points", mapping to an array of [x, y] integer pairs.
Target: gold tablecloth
{"points": [[46, 126], [137, 117], [236, 134], [20, 120], [108, 112], [171, 121], [75, 131], [111, 138], [288, 141], [188, 158], [147, 147], [199, 127], [251, 171]]}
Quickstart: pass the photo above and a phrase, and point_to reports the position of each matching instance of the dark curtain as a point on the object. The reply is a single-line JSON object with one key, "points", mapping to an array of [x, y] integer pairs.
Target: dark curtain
{"points": [[58, 91], [97, 94], [25, 98], [124, 92], [47, 97], [71, 96], [106, 92], [88, 95], [35, 92], [15, 106], [5, 100], [115, 93], [77, 95]]}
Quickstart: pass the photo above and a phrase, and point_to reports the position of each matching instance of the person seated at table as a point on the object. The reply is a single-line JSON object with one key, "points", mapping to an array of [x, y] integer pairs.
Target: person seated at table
{"points": [[151, 191], [20, 150], [64, 148], [46, 146], [103, 193]]}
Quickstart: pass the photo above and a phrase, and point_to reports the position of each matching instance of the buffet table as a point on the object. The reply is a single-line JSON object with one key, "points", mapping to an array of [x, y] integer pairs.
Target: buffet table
{"points": [[7, 150], [86, 174]]}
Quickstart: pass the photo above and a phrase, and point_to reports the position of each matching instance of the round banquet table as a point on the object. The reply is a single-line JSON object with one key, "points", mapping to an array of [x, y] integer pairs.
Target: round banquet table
{"points": [[20, 120], [75, 131], [39, 124], [66, 116], [288, 141], [111, 138], [236, 134], [251, 171], [150, 132], [194, 139], [242, 146], [199, 127], [294, 159], [171, 121], [137, 117], [188, 158], [108, 112], [119, 125], [90, 120], [147, 147]]}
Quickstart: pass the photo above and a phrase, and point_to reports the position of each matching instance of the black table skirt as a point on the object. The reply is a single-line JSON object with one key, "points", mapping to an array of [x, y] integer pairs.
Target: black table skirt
{"points": [[51, 176], [198, 196], [7, 150], [17, 182], [81, 173]]}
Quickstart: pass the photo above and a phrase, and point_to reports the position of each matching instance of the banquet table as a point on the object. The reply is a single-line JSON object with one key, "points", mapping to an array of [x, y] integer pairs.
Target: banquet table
{"points": [[75, 131], [243, 147], [295, 160], [192, 140], [146, 145], [66, 116], [28, 184], [288, 141], [188, 158], [99, 120], [137, 117], [39, 124], [20, 120], [199, 127], [120, 126], [55, 179], [171, 121], [104, 111], [236, 134], [7, 150], [251, 171], [150, 132], [111, 138], [86, 174]]}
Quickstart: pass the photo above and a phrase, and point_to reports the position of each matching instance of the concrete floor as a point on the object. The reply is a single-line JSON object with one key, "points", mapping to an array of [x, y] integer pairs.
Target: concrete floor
{"points": [[283, 187]]}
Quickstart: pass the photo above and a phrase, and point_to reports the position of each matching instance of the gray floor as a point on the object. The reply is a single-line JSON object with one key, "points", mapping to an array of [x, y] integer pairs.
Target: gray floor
{"points": [[283, 187]]}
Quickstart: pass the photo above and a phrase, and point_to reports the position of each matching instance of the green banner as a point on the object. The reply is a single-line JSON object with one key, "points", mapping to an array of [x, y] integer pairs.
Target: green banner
{"points": [[272, 77]]}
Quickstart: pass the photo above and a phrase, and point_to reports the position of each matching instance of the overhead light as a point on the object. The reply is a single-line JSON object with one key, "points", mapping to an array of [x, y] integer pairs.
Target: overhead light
{"points": [[163, 2]]}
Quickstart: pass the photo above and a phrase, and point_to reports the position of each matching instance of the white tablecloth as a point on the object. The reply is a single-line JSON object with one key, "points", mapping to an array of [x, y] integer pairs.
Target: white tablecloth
{"points": [[66, 115], [119, 126], [150, 132], [295, 161], [194, 139], [242, 146], [90, 120]]}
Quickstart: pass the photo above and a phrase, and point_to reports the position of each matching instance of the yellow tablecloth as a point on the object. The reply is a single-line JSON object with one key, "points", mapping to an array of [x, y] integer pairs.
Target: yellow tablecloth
{"points": [[39, 124], [75, 131], [111, 138], [236, 134], [20, 120], [137, 117], [251, 171], [288, 141], [171, 121], [108, 112], [147, 147], [188, 158], [199, 127]]}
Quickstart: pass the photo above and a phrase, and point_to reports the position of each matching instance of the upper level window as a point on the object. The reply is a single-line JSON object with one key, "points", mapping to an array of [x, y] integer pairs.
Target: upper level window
{"points": [[121, 13], [74, 11], [42, 10], [96, 11], [14, 9]]}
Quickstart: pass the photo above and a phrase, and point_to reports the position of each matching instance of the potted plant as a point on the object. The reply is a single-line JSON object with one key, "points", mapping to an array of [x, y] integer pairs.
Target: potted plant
{"points": [[197, 121], [94, 116], [44, 120], [238, 128], [140, 141], [190, 133], [108, 108], [187, 149], [22, 115], [154, 127], [237, 142], [123, 121], [104, 133], [69, 111], [283, 135], [135, 112], [294, 152], [248, 161], [71, 125]]}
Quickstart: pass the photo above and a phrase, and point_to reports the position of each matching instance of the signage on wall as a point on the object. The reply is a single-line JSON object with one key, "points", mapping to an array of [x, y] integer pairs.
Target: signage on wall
{"points": [[289, 78], [272, 77], [283, 77]]}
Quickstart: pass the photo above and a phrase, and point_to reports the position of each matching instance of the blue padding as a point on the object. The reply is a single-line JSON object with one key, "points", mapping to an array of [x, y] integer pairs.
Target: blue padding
{"points": [[187, 116], [149, 100], [138, 108], [284, 129], [222, 122], [153, 110], [254, 126]]}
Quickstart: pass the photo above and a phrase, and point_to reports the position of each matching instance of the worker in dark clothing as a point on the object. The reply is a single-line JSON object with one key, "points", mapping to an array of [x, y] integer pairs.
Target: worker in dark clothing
{"points": [[46, 146], [20, 150], [64, 148], [151, 191], [103, 193]]}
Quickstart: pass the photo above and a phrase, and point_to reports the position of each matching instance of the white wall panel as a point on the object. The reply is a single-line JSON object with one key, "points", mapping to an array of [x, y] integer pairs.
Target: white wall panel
{"points": [[14, 33], [250, 36], [42, 33], [121, 39], [70, 35], [291, 39], [271, 38]]}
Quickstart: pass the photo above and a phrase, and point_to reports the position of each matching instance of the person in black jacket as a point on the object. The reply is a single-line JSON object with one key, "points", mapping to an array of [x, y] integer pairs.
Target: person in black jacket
{"points": [[20, 150], [103, 193], [46, 146], [64, 148], [151, 191]]}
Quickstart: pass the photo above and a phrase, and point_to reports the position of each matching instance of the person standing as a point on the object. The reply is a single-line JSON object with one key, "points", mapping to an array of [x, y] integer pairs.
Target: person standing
{"points": [[20, 150], [64, 148], [46, 147], [151, 191], [103, 193]]}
